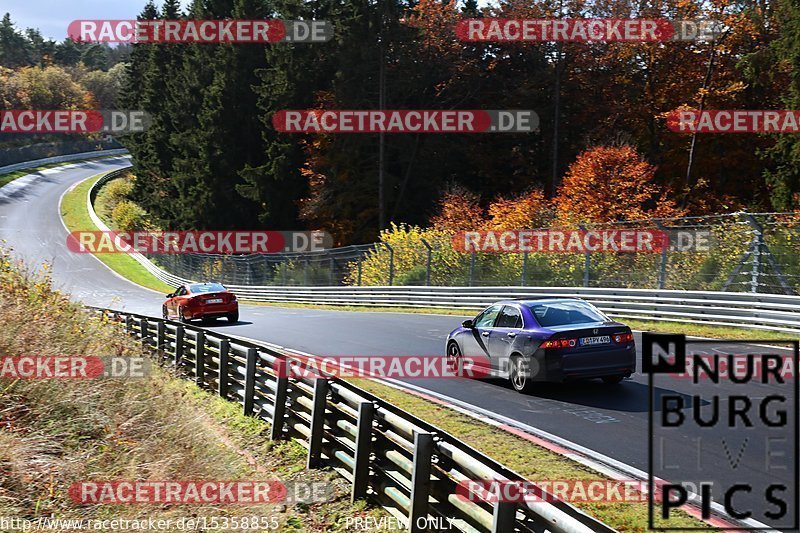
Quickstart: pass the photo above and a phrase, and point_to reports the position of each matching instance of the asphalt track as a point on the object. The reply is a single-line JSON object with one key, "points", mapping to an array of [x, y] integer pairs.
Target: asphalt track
{"points": [[612, 420]]}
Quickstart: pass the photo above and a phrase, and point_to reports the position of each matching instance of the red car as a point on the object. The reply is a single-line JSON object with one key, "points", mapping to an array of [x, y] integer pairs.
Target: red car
{"points": [[205, 301]]}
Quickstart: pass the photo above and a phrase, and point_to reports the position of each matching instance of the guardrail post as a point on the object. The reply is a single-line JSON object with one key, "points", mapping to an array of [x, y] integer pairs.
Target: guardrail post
{"points": [[420, 482], [359, 270], [128, 324], [366, 411], [222, 382], [504, 516], [317, 422], [179, 333], [250, 380], [330, 273], [281, 391], [145, 331], [200, 358], [305, 271], [161, 337]]}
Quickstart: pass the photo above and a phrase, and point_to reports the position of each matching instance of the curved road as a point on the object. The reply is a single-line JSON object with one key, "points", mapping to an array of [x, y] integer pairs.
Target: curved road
{"points": [[609, 420]]}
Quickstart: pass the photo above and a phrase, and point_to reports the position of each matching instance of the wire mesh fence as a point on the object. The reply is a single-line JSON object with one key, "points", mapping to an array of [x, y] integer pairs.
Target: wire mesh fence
{"points": [[752, 252]]}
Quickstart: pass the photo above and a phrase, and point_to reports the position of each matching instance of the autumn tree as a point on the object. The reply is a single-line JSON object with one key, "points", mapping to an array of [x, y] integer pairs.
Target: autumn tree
{"points": [[526, 211], [608, 184], [458, 209]]}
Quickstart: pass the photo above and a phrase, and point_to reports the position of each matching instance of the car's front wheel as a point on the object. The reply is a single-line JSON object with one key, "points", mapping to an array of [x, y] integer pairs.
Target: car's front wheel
{"points": [[519, 374], [164, 312], [454, 359]]}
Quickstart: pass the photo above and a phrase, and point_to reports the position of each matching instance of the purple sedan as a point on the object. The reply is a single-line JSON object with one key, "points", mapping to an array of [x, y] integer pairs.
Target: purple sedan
{"points": [[548, 339]]}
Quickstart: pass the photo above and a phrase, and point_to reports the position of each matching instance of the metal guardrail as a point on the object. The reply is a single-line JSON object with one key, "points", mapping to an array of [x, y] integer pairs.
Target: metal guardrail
{"points": [[61, 159], [761, 311], [408, 466], [737, 309]]}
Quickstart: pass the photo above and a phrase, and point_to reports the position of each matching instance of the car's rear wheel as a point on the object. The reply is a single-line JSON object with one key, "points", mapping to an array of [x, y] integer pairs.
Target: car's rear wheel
{"points": [[454, 359], [613, 380], [233, 317], [519, 374], [181, 316]]}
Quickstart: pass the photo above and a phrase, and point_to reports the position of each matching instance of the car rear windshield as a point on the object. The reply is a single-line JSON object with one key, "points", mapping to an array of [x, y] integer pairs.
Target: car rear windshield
{"points": [[566, 313], [206, 287]]}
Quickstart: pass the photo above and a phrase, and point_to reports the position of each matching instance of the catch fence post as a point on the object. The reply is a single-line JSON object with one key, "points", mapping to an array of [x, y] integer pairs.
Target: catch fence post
{"points": [[428, 263], [587, 261], [662, 273], [524, 268]]}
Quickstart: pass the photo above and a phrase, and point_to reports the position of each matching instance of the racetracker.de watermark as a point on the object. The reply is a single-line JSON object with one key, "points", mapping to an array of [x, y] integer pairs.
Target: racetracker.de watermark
{"points": [[382, 367], [71, 121], [583, 241], [199, 492], [200, 31], [406, 121], [72, 367], [551, 491], [734, 121], [585, 30], [193, 242]]}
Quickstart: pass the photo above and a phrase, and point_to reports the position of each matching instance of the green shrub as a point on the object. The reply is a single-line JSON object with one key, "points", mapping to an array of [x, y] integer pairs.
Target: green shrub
{"points": [[127, 216]]}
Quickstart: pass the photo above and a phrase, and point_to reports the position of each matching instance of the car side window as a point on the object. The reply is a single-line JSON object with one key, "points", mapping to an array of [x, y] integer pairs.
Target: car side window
{"points": [[510, 317], [487, 318]]}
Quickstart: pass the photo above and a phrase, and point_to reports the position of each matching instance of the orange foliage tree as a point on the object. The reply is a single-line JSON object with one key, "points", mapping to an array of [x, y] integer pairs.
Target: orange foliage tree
{"points": [[459, 209], [527, 211], [608, 184]]}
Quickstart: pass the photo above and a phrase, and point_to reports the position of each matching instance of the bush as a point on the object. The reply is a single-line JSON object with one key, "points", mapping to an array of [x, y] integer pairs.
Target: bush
{"points": [[118, 190], [127, 216]]}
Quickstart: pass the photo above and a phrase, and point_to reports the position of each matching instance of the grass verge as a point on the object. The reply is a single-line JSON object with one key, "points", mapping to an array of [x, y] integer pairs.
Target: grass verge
{"points": [[76, 217], [532, 461], [54, 432]]}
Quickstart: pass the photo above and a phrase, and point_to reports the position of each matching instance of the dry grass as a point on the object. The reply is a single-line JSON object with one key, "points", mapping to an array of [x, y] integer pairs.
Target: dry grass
{"points": [[54, 433]]}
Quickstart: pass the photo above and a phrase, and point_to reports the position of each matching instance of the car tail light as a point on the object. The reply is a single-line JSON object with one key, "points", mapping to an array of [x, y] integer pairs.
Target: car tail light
{"points": [[623, 337], [559, 343]]}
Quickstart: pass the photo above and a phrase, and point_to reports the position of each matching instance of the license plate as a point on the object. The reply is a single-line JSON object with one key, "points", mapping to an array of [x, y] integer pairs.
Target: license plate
{"points": [[214, 301], [590, 341]]}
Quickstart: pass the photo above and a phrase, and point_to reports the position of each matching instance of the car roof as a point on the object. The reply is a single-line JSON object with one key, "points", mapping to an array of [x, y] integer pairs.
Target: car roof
{"points": [[538, 300]]}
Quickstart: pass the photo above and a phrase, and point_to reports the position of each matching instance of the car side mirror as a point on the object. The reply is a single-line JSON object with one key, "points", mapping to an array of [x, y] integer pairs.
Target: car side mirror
{"points": [[170, 295], [468, 323]]}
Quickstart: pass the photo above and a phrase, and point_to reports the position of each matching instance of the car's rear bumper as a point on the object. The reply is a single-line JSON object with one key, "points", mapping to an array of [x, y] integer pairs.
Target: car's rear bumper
{"points": [[211, 311], [551, 365]]}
